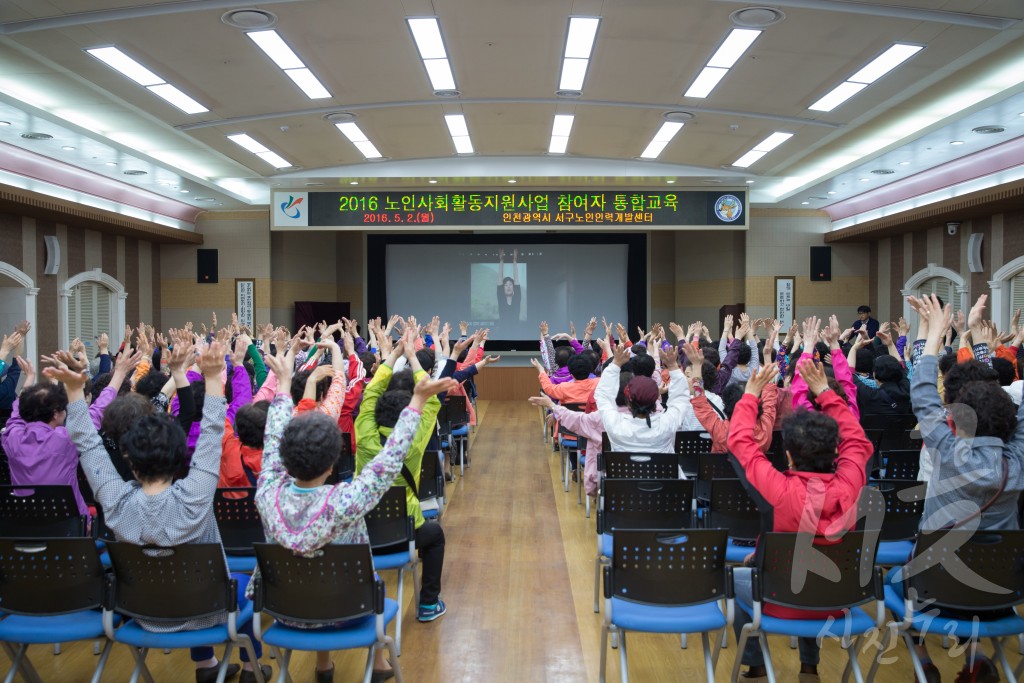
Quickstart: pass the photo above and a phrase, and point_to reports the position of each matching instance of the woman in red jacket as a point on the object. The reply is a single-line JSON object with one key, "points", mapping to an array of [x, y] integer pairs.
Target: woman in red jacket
{"points": [[827, 454]]}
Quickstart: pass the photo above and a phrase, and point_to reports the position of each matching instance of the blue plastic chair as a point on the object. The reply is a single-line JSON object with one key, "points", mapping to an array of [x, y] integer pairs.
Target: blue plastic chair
{"points": [[829, 578], [731, 507], [42, 511], [389, 526], [240, 526], [897, 506], [336, 591], [170, 585], [987, 574], [651, 504], [50, 590], [667, 582], [431, 489]]}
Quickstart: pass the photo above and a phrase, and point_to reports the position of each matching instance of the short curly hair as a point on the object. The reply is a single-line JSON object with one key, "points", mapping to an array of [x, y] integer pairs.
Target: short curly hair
{"points": [[731, 395], [643, 364], [811, 439], [390, 405], [101, 382], [1007, 371], [580, 367], [310, 445], [41, 402], [865, 360], [985, 409], [963, 373], [250, 423], [426, 359], [709, 375], [151, 385], [402, 381], [122, 413], [562, 356], [887, 369], [156, 448], [743, 357], [298, 387], [368, 359]]}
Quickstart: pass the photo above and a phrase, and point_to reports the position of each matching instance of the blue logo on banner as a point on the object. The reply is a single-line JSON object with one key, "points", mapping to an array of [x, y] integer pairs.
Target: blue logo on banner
{"points": [[728, 208]]}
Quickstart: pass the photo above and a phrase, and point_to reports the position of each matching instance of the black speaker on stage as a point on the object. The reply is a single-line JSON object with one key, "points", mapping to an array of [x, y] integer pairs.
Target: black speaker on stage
{"points": [[821, 264], [206, 266]]}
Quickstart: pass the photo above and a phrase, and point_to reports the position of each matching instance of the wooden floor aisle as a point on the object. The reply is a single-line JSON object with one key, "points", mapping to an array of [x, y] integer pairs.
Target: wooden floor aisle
{"points": [[518, 583]]}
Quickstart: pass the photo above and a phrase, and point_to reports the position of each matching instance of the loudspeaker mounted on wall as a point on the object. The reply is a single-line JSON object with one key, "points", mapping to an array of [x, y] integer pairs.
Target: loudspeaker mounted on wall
{"points": [[206, 266], [974, 253], [821, 264], [52, 255]]}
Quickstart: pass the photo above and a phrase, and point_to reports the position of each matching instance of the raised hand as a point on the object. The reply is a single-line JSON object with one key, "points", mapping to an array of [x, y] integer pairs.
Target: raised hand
{"points": [[762, 378], [71, 377], [211, 363], [677, 331], [814, 375], [544, 328], [543, 401], [182, 355], [24, 326], [282, 365], [238, 352], [27, 369], [537, 365], [588, 331], [427, 387], [10, 343], [694, 355], [810, 328], [487, 360], [976, 316], [669, 360]]}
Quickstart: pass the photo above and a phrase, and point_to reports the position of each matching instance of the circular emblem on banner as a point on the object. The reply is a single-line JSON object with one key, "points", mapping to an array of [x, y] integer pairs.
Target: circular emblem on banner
{"points": [[728, 208]]}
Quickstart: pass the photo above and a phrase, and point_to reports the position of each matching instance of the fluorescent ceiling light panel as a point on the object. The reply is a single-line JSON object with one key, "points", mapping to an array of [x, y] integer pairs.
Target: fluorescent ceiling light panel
{"points": [[558, 144], [248, 142], [439, 71], [705, 82], [274, 46], [308, 83], [574, 72], [274, 159], [367, 149], [456, 125], [426, 32], [177, 98], [562, 125], [839, 94], [463, 144], [352, 131], [579, 42], [885, 62], [661, 139], [119, 61], [737, 42], [748, 159]]}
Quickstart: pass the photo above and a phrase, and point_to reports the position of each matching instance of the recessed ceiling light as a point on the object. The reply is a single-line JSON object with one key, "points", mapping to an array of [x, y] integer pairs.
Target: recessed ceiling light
{"points": [[426, 33], [864, 180], [831, 192], [957, 142], [353, 182], [459, 132], [670, 181], [665, 133], [274, 46], [579, 46], [513, 181], [871, 72], [804, 203], [128, 67], [7, 123], [111, 163], [762, 148], [183, 191], [904, 163], [358, 138], [750, 182], [432, 181], [68, 148]]}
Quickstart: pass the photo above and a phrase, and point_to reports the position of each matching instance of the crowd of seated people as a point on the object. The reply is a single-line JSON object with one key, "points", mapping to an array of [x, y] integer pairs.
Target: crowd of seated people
{"points": [[162, 422], [810, 389]]}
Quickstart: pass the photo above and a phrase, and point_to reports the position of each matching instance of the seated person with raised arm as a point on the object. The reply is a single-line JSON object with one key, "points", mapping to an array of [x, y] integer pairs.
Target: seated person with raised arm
{"points": [[827, 454], [154, 509]]}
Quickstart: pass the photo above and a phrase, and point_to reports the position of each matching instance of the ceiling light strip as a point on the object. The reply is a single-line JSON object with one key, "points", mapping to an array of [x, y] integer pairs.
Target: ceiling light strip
{"points": [[762, 148], [130, 68], [426, 33], [661, 139], [253, 145], [274, 46], [357, 137], [459, 132], [579, 45], [560, 130], [725, 57], [868, 74]]}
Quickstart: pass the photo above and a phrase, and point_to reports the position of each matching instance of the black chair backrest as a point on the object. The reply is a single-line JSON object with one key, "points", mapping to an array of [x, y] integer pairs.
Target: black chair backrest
{"points": [[345, 466], [39, 512], [712, 466], [897, 503], [904, 464], [444, 425], [5, 469], [336, 585], [457, 412], [606, 445], [669, 567], [967, 570], [565, 432], [646, 504], [575, 407], [888, 421], [170, 584], [431, 479], [689, 445], [581, 443], [732, 508], [50, 576], [238, 520], [84, 487], [777, 452], [794, 573], [389, 522], [620, 465]]}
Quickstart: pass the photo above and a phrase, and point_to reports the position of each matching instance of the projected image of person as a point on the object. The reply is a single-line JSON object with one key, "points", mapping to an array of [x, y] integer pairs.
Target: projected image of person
{"points": [[510, 294]]}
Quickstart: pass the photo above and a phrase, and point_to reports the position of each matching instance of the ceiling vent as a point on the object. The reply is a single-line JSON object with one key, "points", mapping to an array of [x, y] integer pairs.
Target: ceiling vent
{"points": [[37, 136], [677, 116], [756, 17], [249, 19], [987, 130], [883, 171], [569, 93], [135, 171], [340, 117], [447, 93]]}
